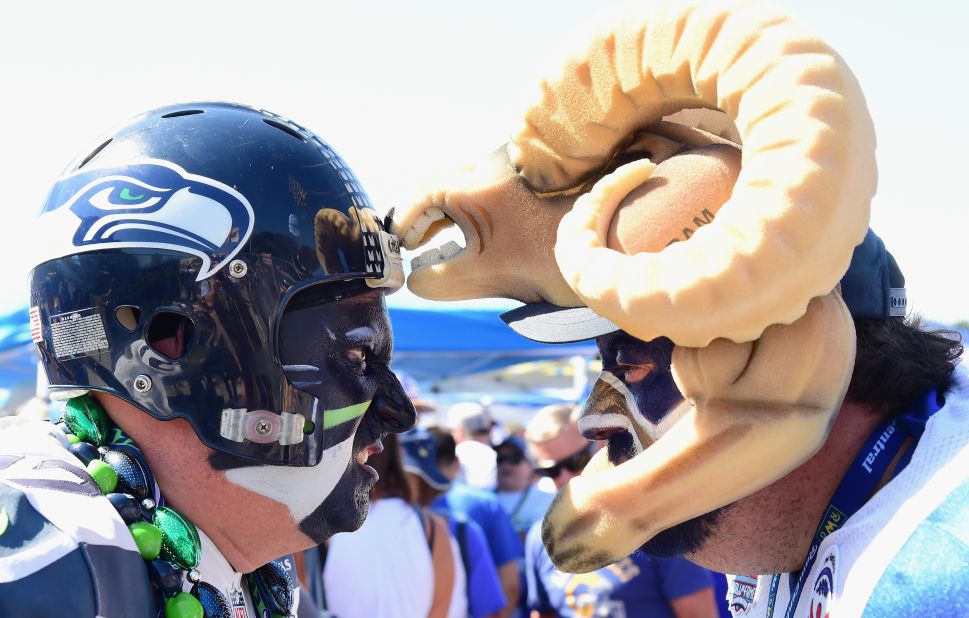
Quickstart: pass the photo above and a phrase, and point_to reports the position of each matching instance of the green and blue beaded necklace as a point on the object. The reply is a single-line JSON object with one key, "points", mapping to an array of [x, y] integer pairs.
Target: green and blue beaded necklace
{"points": [[165, 538]]}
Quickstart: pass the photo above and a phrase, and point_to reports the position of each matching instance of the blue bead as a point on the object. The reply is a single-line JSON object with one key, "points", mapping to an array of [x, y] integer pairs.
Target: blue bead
{"points": [[85, 452], [214, 604], [132, 478], [166, 576], [127, 507], [275, 587]]}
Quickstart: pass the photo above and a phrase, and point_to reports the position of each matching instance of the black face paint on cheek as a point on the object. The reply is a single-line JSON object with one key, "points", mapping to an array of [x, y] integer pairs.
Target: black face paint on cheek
{"points": [[316, 347], [352, 356], [346, 507]]}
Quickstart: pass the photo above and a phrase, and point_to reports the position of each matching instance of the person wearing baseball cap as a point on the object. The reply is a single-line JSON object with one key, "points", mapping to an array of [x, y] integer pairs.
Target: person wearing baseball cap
{"points": [[428, 457]]}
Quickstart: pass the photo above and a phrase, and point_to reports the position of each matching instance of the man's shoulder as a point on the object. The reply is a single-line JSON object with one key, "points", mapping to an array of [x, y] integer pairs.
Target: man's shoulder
{"points": [[927, 574], [908, 546], [54, 554]]}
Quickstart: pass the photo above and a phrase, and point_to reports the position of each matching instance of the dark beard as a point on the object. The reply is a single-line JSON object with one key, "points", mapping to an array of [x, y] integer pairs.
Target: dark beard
{"points": [[684, 538]]}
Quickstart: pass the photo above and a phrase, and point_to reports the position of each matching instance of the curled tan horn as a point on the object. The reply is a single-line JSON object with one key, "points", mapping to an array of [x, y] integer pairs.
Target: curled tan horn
{"points": [[800, 204]]}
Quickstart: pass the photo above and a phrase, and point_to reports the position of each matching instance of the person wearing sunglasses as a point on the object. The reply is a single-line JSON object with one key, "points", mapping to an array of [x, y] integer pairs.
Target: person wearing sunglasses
{"points": [[560, 452], [638, 585], [519, 496]]}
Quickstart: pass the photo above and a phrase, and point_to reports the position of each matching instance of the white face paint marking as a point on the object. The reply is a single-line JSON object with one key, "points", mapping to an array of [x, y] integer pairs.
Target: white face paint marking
{"points": [[300, 368], [300, 489], [610, 420], [362, 332], [654, 431]]}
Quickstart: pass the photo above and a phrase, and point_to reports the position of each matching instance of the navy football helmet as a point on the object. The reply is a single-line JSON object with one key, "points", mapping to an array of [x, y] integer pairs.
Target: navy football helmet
{"points": [[202, 222]]}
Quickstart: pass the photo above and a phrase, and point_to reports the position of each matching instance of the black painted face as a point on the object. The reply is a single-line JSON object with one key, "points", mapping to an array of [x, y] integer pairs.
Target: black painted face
{"points": [[643, 370], [339, 352]]}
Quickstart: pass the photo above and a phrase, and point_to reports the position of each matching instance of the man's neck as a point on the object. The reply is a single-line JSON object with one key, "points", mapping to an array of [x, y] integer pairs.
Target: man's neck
{"points": [[771, 530], [234, 518]]}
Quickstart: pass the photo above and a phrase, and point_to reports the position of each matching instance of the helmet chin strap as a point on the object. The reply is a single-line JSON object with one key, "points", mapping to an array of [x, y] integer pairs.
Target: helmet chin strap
{"points": [[301, 489]]}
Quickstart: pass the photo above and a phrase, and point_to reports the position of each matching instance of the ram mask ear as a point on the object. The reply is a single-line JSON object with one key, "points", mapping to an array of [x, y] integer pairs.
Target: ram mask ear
{"points": [[799, 206]]}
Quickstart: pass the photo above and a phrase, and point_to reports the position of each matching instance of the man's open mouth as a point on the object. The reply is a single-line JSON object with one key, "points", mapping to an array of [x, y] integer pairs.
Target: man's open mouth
{"points": [[365, 453]]}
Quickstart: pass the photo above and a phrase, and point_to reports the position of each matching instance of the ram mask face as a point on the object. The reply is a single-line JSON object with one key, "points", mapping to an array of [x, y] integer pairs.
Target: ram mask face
{"points": [[764, 345]]}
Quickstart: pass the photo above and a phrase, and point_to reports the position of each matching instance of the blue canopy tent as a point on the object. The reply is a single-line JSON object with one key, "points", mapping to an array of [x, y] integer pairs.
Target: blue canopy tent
{"points": [[429, 345], [432, 344]]}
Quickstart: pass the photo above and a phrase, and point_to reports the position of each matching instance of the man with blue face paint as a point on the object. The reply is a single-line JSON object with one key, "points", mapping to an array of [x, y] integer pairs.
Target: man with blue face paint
{"points": [[208, 301], [865, 526]]}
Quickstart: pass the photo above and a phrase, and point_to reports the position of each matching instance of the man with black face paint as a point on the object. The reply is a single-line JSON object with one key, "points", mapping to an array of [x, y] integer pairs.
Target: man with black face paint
{"points": [[209, 302]]}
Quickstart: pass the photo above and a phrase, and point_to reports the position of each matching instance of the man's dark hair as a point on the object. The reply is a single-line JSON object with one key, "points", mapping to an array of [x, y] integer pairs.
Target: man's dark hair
{"points": [[897, 362], [446, 447]]}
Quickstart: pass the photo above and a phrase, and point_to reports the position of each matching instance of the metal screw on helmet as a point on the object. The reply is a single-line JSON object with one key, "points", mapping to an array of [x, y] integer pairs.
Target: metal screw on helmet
{"points": [[238, 268], [142, 383], [263, 427]]}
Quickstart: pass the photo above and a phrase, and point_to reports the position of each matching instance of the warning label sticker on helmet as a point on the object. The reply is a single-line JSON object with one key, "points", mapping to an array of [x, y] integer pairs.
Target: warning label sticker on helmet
{"points": [[78, 333]]}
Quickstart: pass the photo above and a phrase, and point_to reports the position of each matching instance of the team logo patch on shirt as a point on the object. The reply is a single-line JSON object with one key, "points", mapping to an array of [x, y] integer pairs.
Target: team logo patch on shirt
{"points": [[742, 594], [822, 592], [238, 600]]}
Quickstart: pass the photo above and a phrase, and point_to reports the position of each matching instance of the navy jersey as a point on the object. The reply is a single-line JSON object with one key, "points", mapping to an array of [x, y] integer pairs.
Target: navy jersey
{"points": [[65, 551]]}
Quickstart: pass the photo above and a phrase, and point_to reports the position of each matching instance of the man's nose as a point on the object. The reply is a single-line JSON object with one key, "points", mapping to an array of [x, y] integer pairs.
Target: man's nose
{"points": [[393, 408]]}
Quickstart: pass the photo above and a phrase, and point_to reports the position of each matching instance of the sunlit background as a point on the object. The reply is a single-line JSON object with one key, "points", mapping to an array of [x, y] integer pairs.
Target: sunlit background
{"points": [[404, 89]]}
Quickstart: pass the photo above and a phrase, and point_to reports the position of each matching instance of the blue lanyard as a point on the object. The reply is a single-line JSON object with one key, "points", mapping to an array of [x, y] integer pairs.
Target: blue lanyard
{"points": [[858, 483]]}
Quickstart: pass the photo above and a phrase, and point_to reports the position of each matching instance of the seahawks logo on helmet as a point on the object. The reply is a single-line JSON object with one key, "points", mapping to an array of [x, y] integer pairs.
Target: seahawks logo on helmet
{"points": [[150, 204]]}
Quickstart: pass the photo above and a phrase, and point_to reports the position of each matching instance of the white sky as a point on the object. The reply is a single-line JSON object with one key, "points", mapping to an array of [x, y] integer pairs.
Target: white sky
{"points": [[405, 89]]}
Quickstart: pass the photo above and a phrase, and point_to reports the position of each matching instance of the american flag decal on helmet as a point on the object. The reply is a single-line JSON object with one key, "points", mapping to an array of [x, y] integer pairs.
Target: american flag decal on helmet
{"points": [[36, 330]]}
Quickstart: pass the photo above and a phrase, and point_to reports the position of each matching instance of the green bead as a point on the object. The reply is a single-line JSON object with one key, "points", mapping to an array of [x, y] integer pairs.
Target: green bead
{"points": [[180, 539], [85, 417], [148, 538], [103, 474], [72, 438], [183, 605]]}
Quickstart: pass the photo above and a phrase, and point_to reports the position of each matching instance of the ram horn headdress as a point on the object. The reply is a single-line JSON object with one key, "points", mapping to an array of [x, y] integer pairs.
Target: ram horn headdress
{"points": [[750, 291]]}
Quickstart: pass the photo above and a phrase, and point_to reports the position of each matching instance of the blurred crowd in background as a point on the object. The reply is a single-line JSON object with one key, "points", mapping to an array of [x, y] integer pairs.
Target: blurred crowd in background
{"points": [[455, 530]]}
